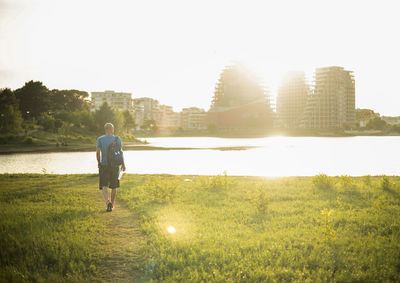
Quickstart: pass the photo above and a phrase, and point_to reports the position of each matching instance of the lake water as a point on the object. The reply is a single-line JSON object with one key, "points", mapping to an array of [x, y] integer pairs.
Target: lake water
{"points": [[273, 156]]}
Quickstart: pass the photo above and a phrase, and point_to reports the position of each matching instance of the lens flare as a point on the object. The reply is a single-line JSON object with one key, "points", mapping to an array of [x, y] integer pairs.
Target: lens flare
{"points": [[171, 230]]}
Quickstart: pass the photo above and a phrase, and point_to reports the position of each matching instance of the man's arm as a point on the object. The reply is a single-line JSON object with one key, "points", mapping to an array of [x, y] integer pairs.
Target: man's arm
{"points": [[98, 156]]}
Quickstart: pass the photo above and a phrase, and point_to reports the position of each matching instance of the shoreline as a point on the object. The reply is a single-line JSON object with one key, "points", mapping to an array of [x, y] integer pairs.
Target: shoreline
{"points": [[257, 134], [53, 149]]}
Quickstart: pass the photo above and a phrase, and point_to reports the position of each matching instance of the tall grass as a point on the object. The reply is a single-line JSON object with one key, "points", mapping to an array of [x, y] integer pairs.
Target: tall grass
{"points": [[49, 229], [261, 230], [227, 229]]}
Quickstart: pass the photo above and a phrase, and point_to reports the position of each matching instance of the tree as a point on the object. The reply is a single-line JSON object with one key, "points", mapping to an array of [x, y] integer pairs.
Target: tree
{"points": [[377, 124], [34, 99], [7, 97], [129, 121], [104, 115], [118, 121], [87, 120], [10, 119], [149, 125], [47, 122], [68, 100], [66, 117]]}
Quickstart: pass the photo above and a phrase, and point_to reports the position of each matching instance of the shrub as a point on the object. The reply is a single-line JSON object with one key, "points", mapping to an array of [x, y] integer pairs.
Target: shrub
{"points": [[380, 202], [218, 182], [128, 137], [47, 122], [327, 225], [8, 139], [260, 200], [347, 183], [162, 190], [322, 182], [367, 180], [11, 138], [385, 183], [28, 140]]}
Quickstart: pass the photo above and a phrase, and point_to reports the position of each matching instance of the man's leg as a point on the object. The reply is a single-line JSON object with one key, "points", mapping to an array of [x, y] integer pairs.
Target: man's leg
{"points": [[105, 194], [113, 194]]}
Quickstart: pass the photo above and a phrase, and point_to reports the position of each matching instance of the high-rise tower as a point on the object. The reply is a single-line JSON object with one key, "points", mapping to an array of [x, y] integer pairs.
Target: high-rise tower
{"points": [[332, 103], [291, 99]]}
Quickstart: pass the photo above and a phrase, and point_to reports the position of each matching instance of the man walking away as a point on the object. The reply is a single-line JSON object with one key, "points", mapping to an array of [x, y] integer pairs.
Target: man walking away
{"points": [[108, 174]]}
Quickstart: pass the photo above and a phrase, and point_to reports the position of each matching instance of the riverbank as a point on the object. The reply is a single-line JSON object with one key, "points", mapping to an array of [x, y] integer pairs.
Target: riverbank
{"points": [[88, 148], [41, 141], [266, 133], [217, 228]]}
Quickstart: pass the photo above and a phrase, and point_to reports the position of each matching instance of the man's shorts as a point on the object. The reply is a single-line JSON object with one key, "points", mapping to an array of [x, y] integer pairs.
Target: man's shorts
{"points": [[108, 176]]}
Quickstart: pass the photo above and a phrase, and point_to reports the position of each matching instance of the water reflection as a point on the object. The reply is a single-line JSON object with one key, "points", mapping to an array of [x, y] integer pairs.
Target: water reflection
{"points": [[278, 156]]}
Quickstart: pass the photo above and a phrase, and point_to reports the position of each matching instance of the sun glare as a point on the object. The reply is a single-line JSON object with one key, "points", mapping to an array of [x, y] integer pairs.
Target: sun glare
{"points": [[171, 230]]}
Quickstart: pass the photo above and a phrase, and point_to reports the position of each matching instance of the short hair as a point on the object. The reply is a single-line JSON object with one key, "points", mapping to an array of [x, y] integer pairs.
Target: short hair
{"points": [[108, 126]]}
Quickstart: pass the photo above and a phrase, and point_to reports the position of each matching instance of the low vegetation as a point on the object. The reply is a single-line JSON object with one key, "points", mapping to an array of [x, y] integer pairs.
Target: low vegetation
{"points": [[50, 231], [322, 228], [215, 229]]}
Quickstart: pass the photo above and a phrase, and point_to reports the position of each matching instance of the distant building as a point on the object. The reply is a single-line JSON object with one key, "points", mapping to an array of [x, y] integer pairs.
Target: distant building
{"points": [[121, 100], [332, 104], [193, 118], [256, 114], [168, 119], [292, 99], [145, 109], [363, 116], [240, 101]]}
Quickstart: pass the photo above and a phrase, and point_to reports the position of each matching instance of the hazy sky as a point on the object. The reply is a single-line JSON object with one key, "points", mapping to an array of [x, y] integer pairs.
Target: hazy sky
{"points": [[175, 50]]}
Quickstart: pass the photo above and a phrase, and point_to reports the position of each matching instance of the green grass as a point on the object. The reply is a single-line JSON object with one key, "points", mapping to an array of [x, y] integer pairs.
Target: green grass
{"points": [[261, 229], [228, 229], [49, 229]]}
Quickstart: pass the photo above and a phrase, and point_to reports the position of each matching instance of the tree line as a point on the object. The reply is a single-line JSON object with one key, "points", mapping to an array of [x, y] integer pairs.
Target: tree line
{"points": [[35, 106]]}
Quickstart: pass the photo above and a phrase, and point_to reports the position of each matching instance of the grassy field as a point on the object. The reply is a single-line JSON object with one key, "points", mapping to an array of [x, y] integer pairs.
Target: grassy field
{"points": [[261, 229], [53, 228], [193, 228]]}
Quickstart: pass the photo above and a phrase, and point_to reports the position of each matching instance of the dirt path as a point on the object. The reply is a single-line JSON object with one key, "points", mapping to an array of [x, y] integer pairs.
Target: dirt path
{"points": [[125, 241]]}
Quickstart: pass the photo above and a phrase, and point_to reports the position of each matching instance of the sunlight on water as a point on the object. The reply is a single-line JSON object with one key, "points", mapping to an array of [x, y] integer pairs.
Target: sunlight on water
{"points": [[276, 156]]}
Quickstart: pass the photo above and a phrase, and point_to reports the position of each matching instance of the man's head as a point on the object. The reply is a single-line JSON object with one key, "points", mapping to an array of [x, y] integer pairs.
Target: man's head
{"points": [[109, 128]]}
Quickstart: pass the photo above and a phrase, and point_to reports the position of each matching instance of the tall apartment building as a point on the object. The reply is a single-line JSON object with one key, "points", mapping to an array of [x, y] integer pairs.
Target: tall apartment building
{"points": [[292, 99], [121, 100], [332, 103], [193, 118], [146, 108]]}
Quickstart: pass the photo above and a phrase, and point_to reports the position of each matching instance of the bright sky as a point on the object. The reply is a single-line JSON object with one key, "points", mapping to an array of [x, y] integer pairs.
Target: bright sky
{"points": [[174, 50]]}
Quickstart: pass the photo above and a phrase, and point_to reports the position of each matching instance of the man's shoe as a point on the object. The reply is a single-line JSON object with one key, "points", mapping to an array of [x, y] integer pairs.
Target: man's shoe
{"points": [[112, 207], [109, 206]]}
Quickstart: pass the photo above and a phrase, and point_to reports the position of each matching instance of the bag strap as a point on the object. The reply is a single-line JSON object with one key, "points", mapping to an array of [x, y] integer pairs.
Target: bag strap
{"points": [[116, 140]]}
